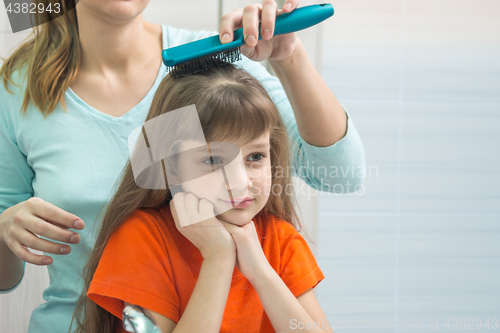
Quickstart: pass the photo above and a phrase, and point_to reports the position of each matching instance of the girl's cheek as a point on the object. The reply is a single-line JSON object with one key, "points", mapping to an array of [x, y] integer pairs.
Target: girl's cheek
{"points": [[264, 188], [267, 177], [204, 187], [267, 189]]}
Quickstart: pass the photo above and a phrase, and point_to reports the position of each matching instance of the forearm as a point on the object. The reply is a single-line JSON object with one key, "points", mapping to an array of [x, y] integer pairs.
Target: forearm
{"points": [[207, 302], [11, 267], [280, 305], [321, 120]]}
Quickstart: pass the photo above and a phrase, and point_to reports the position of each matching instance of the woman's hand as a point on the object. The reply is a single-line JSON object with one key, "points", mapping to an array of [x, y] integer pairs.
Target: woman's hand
{"points": [[201, 227], [21, 224], [251, 260], [277, 48]]}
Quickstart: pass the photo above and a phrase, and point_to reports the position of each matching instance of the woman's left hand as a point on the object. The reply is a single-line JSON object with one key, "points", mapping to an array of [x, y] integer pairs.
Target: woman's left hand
{"points": [[250, 259], [276, 48]]}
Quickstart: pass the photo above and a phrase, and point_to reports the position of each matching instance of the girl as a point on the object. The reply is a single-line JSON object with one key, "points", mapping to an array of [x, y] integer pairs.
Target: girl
{"points": [[185, 276]]}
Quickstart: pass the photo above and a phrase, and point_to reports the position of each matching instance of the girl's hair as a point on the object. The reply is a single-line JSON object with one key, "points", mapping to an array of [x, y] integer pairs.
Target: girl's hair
{"points": [[51, 57], [231, 105]]}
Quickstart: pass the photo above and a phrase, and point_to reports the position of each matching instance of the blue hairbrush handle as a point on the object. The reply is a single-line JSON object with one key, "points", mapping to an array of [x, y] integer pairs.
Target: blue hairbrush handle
{"points": [[299, 19]]}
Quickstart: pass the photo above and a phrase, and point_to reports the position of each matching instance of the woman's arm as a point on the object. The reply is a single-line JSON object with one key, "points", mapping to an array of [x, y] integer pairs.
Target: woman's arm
{"points": [[206, 305], [12, 267], [21, 215], [15, 181], [321, 119], [19, 227]]}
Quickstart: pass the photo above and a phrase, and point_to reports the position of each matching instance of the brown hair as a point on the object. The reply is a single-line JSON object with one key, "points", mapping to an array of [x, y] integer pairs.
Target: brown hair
{"points": [[52, 58], [227, 100]]}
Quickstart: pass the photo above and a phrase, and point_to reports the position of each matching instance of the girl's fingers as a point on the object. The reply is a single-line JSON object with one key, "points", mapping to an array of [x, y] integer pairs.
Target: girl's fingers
{"points": [[251, 18], [268, 17], [43, 228], [229, 23], [206, 209], [179, 210], [25, 255], [231, 228], [34, 242], [192, 205], [52, 213]]}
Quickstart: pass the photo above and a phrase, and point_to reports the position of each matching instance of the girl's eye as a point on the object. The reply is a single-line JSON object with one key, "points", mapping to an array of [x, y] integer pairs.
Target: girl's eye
{"points": [[261, 157], [213, 160]]}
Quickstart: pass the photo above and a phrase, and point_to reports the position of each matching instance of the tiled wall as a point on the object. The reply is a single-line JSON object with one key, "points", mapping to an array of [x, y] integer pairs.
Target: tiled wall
{"points": [[421, 80]]}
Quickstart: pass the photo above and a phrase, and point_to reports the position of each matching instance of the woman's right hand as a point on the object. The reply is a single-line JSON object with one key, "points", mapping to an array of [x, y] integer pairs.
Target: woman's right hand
{"points": [[201, 227], [20, 225]]}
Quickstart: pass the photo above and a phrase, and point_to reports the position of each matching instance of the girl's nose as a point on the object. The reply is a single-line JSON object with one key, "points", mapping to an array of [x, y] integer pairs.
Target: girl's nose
{"points": [[236, 175], [240, 186]]}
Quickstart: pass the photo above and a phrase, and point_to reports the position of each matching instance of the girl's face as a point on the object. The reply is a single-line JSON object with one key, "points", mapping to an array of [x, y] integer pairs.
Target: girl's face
{"points": [[245, 178]]}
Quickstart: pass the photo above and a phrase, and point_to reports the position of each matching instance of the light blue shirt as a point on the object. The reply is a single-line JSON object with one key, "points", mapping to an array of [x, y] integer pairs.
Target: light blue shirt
{"points": [[73, 159]]}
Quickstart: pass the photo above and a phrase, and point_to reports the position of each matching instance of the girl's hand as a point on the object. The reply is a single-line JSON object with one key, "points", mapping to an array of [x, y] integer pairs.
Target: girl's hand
{"points": [[209, 235], [270, 47], [21, 224], [251, 260]]}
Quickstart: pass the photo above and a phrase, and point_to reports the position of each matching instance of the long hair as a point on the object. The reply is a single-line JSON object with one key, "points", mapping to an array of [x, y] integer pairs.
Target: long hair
{"points": [[51, 56], [231, 104]]}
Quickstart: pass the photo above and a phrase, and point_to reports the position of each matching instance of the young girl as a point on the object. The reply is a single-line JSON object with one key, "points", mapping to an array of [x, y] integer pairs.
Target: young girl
{"points": [[247, 269]]}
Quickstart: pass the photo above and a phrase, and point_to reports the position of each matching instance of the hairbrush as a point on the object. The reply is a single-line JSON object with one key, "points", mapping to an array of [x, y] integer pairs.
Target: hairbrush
{"points": [[200, 55]]}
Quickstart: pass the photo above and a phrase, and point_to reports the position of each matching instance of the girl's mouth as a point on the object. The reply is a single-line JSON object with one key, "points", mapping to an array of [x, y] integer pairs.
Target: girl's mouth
{"points": [[242, 204]]}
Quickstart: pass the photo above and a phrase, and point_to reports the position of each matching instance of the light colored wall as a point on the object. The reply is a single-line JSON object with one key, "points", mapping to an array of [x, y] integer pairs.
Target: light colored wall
{"points": [[421, 80]]}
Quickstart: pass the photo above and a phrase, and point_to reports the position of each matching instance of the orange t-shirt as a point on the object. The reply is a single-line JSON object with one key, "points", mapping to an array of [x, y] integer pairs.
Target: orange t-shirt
{"points": [[148, 262]]}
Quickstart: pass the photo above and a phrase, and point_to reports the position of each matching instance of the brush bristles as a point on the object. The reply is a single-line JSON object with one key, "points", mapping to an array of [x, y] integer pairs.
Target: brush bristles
{"points": [[204, 63]]}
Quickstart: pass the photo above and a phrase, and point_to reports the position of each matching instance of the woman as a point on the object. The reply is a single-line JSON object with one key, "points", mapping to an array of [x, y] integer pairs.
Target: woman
{"points": [[90, 78]]}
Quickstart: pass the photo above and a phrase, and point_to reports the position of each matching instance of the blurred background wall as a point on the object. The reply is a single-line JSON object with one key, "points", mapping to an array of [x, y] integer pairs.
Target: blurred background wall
{"points": [[420, 241], [421, 80]]}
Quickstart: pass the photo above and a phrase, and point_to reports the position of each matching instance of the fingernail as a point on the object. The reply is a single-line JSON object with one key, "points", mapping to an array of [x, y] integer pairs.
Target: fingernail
{"points": [[73, 239], [226, 38], [266, 33], [251, 40], [46, 261], [78, 224], [63, 250], [288, 6]]}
